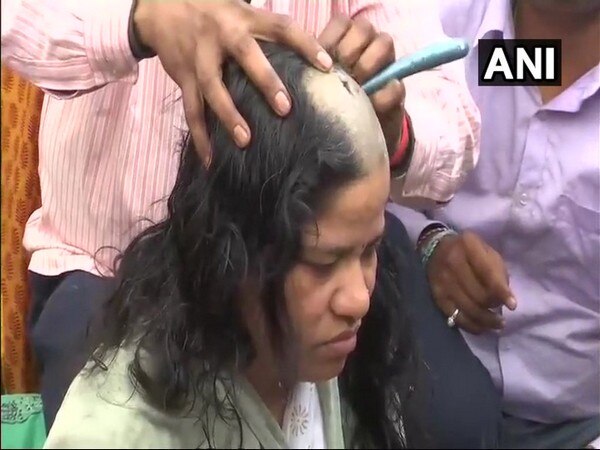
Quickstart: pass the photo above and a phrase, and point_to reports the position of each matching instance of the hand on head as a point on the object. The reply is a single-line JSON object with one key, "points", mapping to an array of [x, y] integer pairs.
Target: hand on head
{"points": [[193, 39], [363, 52]]}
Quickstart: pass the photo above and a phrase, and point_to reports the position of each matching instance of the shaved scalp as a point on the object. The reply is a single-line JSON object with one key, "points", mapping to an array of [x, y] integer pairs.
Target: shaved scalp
{"points": [[341, 100]]}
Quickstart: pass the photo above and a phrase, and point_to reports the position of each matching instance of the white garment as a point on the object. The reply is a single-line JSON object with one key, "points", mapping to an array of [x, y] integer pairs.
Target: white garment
{"points": [[302, 420], [595, 443]]}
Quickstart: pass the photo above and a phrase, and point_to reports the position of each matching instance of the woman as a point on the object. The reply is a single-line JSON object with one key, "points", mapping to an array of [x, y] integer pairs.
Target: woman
{"points": [[263, 312]]}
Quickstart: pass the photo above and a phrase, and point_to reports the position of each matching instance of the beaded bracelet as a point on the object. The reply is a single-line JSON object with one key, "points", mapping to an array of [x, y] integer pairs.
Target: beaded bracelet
{"points": [[432, 244], [428, 232]]}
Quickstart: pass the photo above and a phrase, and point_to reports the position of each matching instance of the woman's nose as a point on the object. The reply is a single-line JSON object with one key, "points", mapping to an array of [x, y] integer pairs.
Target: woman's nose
{"points": [[352, 297]]}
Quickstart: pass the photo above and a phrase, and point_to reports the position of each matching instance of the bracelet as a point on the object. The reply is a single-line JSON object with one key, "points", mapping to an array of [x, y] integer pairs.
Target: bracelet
{"points": [[401, 159], [398, 155], [428, 232], [432, 244]]}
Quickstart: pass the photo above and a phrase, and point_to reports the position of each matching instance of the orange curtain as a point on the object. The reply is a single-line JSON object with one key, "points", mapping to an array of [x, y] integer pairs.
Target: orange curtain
{"points": [[21, 108]]}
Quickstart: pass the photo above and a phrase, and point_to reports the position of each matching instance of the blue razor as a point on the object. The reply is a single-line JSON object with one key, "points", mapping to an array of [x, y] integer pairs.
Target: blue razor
{"points": [[427, 58]]}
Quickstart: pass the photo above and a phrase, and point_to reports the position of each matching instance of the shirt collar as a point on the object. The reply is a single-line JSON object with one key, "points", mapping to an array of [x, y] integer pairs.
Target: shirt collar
{"points": [[594, 85], [575, 95]]}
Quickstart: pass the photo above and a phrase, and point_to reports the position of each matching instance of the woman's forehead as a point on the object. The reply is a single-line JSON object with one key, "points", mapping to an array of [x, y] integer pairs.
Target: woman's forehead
{"points": [[355, 213]]}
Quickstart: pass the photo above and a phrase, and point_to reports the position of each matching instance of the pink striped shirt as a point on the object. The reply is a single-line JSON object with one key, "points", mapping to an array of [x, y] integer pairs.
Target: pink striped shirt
{"points": [[108, 159]]}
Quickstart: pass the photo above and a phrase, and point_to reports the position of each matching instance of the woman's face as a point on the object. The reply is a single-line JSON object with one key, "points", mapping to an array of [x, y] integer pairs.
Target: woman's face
{"points": [[328, 291]]}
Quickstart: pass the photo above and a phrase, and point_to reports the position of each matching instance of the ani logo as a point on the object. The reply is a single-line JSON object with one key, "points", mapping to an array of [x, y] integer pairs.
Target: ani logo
{"points": [[521, 62]]}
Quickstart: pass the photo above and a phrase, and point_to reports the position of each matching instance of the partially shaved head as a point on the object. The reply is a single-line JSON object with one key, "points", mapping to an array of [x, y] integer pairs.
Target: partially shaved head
{"points": [[297, 165], [338, 97]]}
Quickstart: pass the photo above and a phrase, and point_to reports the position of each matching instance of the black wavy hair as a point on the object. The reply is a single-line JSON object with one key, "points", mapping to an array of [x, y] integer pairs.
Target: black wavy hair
{"points": [[243, 216]]}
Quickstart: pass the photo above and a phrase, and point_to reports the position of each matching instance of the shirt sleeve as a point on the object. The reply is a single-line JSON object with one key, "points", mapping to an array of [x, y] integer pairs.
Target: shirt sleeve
{"points": [[414, 221], [68, 47], [445, 119]]}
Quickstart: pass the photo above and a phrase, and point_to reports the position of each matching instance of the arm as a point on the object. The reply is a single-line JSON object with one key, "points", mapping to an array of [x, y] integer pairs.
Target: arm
{"points": [[444, 117], [68, 47]]}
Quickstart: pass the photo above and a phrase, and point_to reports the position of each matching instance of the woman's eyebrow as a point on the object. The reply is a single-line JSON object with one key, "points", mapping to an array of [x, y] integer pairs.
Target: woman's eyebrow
{"points": [[342, 250]]}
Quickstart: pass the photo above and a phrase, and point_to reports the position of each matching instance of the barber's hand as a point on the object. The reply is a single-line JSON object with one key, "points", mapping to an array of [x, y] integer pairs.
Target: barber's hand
{"points": [[466, 273], [193, 39], [363, 52]]}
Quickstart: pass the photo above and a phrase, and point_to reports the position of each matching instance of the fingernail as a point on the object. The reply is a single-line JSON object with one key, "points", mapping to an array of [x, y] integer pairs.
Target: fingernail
{"points": [[511, 303], [240, 135], [324, 59], [282, 102]]}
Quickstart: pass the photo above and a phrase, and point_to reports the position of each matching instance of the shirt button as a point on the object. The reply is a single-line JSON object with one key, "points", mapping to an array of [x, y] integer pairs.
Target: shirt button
{"points": [[523, 199]]}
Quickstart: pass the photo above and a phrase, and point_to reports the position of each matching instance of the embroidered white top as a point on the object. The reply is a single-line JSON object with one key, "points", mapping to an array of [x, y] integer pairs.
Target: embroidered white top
{"points": [[302, 420]]}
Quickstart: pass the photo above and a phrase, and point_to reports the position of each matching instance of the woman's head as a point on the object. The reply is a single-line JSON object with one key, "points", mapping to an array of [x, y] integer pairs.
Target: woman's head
{"points": [[268, 257], [289, 225]]}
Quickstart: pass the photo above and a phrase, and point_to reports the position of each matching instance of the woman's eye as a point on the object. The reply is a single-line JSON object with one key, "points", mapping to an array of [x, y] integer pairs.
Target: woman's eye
{"points": [[323, 268]]}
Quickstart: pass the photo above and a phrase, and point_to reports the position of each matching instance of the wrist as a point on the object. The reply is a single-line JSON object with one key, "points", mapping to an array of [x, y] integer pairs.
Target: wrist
{"points": [[428, 232], [136, 42], [430, 239]]}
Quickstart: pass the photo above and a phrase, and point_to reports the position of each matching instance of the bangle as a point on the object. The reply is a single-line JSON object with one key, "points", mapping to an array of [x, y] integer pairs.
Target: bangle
{"points": [[400, 160], [431, 245], [398, 155], [139, 50], [428, 232]]}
